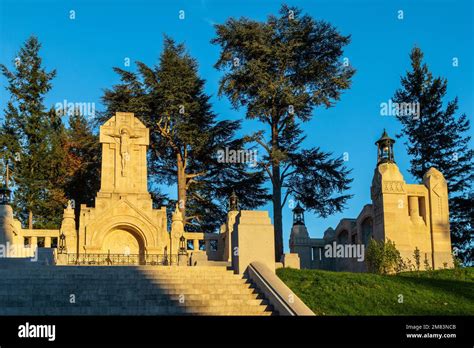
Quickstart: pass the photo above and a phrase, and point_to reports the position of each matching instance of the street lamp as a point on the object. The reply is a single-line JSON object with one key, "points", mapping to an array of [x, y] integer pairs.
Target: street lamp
{"points": [[62, 243], [182, 245]]}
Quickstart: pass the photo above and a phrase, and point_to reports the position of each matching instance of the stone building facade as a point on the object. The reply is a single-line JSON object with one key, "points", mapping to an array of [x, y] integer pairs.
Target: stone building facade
{"points": [[410, 215]]}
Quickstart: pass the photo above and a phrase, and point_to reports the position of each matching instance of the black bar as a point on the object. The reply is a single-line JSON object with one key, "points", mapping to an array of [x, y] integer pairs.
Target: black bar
{"points": [[290, 331]]}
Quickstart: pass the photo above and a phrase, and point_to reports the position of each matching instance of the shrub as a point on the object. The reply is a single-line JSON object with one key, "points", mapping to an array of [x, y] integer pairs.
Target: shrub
{"points": [[416, 257], [383, 257]]}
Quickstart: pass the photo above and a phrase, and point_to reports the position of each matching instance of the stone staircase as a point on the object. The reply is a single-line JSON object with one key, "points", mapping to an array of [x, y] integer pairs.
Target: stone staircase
{"points": [[128, 290]]}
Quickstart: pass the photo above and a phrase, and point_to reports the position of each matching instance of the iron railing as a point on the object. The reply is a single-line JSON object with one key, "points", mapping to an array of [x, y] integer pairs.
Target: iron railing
{"points": [[106, 259]]}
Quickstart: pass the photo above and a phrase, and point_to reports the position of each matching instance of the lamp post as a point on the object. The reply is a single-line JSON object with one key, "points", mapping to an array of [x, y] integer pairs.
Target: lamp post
{"points": [[182, 252], [62, 243]]}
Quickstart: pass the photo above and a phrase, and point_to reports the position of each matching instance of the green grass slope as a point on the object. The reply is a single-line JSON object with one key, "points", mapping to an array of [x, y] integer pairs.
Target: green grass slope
{"points": [[443, 292]]}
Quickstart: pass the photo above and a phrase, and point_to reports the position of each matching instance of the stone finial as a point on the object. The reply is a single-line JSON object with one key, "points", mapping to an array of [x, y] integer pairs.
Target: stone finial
{"points": [[177, 215]]}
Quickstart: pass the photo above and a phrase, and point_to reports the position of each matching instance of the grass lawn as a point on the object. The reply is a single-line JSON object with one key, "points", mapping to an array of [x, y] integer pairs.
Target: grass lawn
{"points": [[443, 292]]}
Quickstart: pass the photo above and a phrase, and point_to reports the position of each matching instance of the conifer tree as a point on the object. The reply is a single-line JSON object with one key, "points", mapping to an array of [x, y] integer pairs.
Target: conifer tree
{"points": [[82, 162], [186, 137], [31, 134], [279, 70], [438, 137]]}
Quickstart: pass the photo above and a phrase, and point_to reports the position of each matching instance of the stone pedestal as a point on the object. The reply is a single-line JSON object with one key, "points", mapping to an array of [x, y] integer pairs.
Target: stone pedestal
{"points": [[61, 259], [183, 260], [253, 240], [291, 260]]}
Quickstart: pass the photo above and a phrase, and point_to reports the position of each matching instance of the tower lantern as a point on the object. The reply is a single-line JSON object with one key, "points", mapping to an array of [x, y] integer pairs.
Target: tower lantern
{"points": [[385, 149], [233, 202], [298, 215]]}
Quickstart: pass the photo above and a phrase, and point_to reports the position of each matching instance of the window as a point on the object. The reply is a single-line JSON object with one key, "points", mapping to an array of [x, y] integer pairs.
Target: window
{"points": [[27, 242], [40, 242], [190, 244], [54, 242], [202, 245]]}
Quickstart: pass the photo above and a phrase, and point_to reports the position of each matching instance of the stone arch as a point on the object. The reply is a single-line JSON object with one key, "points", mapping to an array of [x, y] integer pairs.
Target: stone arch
{"points": [[134, 226], [122, 239]]}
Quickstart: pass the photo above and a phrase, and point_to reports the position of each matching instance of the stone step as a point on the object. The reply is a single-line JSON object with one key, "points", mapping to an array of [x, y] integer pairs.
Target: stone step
{"points": [[155, 310], [142, 290], [51, 298], [110, 288], [148, 292], [118, 269], [120, 283], [134, 303]]}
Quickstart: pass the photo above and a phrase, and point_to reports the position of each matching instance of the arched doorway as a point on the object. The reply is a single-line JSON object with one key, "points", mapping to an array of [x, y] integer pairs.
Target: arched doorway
{"points": [[123, 241]]}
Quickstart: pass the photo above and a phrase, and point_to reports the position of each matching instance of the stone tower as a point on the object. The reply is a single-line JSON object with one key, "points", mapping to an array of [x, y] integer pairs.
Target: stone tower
{"points": [[410, 215], [123, 220], [299, 238]]}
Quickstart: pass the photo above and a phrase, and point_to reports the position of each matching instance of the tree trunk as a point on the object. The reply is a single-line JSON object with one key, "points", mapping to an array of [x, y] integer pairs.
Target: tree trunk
{"points": [[30, 220], [181, 185], [277, 215], [276, 197]]}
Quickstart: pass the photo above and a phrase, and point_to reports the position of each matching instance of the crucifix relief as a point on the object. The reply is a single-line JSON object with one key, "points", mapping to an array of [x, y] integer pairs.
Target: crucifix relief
{"points": [[124, 144]]}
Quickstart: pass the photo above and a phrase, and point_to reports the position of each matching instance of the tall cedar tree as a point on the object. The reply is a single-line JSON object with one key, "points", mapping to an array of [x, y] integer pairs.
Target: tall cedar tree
{"points": [[438, 138], [280, 70], [186, 137], [33, 137], [82, 162]]}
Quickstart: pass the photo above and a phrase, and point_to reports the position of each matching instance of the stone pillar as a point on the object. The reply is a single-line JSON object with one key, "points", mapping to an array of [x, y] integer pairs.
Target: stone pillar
{"points": [[229, 228], [47, 242], [34, 242], [253, 240], [196, 244], [439, 217], [6, 225], [177, 230], [68, 227]]}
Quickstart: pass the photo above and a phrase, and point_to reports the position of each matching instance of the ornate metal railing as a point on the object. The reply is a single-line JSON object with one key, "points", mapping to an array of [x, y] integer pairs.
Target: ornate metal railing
{"points": [[122, 259]]}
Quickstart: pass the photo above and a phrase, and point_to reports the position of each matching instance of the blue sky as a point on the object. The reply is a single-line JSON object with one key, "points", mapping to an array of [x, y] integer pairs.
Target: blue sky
{"points": [[105, 33]]}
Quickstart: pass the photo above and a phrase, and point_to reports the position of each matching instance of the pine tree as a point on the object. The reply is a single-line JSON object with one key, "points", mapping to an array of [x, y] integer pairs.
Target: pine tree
{"points": [[437, 137], [33, 140], [280, 70], [185, 137]]}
